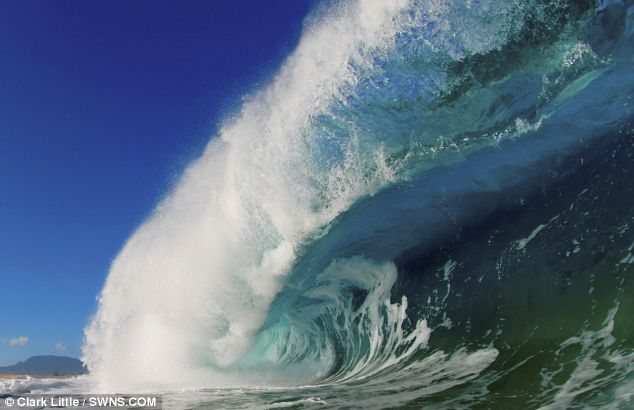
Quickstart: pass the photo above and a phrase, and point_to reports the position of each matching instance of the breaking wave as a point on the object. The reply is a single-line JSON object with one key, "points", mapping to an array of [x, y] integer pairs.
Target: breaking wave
{"points": [[431, 203]]}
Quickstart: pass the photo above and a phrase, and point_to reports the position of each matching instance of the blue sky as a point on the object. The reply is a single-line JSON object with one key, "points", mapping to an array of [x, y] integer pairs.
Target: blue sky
{"points": [[102, 105]]}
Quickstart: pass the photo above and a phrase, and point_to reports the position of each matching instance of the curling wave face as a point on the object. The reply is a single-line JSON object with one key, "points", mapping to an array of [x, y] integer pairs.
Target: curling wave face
{"points": [[430, 204]]}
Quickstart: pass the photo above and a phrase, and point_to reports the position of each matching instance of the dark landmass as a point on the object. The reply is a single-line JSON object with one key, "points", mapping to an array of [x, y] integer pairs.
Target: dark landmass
{"points": [[46, 366]]}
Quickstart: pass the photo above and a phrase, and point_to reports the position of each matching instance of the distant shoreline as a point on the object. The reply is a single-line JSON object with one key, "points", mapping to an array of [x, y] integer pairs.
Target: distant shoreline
{"points": [[6, 376]]}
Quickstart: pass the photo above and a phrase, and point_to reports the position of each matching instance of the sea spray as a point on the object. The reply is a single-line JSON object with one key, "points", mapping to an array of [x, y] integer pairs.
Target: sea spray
{"points": [[190, 289]]}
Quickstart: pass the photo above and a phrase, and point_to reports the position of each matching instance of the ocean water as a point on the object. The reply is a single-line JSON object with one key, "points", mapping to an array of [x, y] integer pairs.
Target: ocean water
{"points": [[430, 206]]}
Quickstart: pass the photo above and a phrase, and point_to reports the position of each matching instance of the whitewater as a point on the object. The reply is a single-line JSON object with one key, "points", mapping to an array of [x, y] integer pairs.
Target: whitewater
{"points": [[429, 206]]}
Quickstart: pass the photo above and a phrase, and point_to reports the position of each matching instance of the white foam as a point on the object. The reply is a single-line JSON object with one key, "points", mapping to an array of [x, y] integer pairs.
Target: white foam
{"points": [[629, 258], [19, 386], [521, 243], [588, 375]]}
